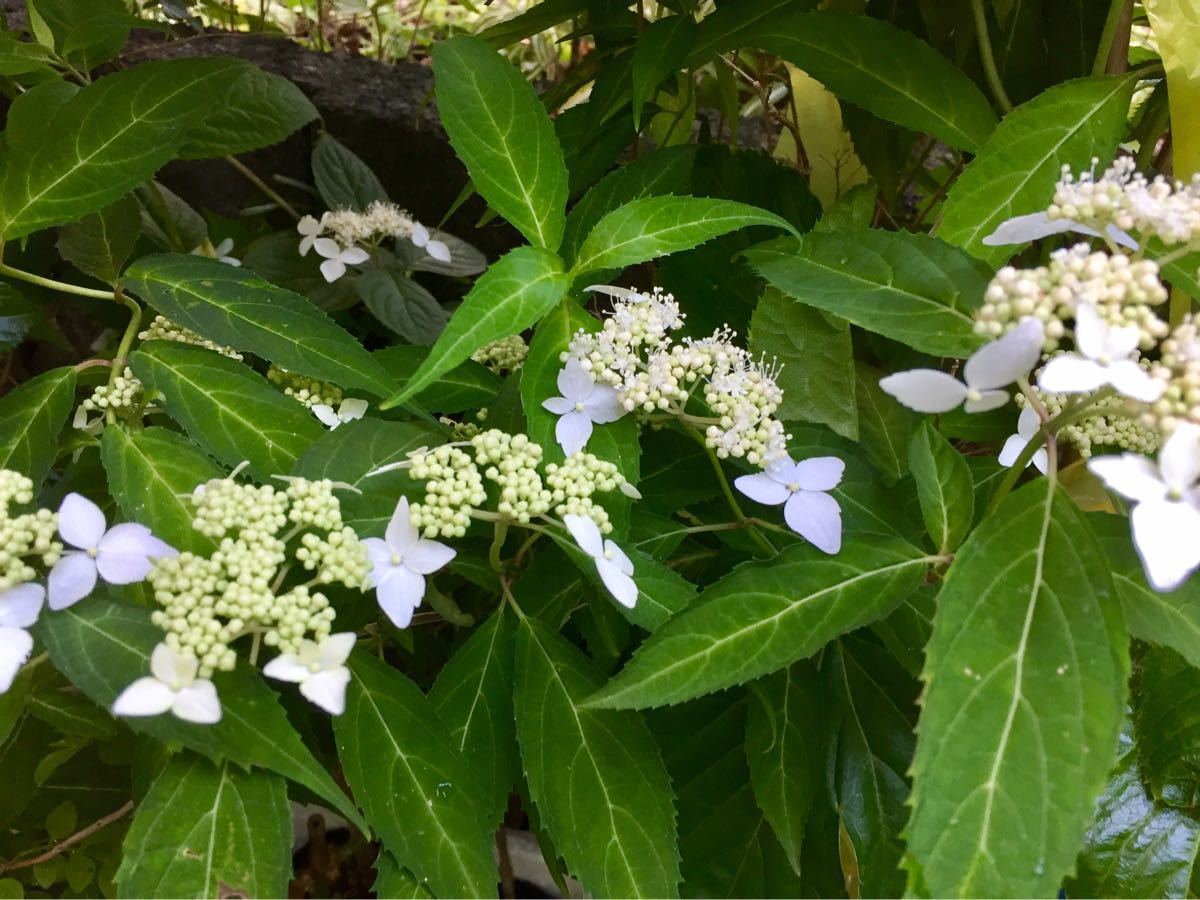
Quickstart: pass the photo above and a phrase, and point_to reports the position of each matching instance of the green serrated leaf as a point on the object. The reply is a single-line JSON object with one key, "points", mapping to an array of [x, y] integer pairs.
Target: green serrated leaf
{"points": [[473, 696], [909, 287], [103, 141], [659, 51], [343, 180], [151, 474], [1166, 723], [415, 789], [785, 750], [1026, 668], [395, 882], [885, 425], [944, 487], [402, 305], [226, 407], [499, 128], [518, 289], [205, 830], [596, 776], [883, 69], [233, 306], [650, 227], [764, 616], [1017, 168], [100, 243], [467, 386], [815, 352], [104, 646], [262, 109], [31, 416]]}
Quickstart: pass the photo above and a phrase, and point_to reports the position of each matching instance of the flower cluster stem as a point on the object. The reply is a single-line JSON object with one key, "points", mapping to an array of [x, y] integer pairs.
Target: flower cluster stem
{"points": [[731, 499], [269, 192], [61, 286]]}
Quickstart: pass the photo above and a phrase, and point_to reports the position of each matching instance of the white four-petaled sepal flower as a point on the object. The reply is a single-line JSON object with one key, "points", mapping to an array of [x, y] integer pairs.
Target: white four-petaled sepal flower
{"points": [[310, 229], [1104, 358], [1028, 424], [422, 240], [802, 489], [399, 563], [1166, 514], [336, 259], [19, 608], [123, 554], [613, 566], [1035, 226], [582, 404], [992, 367], [348, 410], [172, 686], [319, 669]]}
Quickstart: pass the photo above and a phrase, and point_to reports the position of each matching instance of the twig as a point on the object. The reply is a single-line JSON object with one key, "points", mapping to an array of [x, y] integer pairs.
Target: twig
{"points": [[67, 843], [989, 61]]}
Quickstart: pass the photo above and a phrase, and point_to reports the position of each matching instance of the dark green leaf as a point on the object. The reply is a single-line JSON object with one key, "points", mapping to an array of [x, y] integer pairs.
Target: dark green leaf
{"points": [[764, 616], [944, 487], [1016, 170], [535, 19], [814, 350], [596, 775], [659, 51], [103, 646], [110, 136], [100, 243], [512, 295], [226, 407], [343, 180], [473, 696], [415, 788], [402, 305], [1024, 696], [885, 425], [235, 307], [499, 129], [468, 386], [17, 317], [262, 109], [1166, 723], [650, 227], [31, 416], [908, 287], [209, 831]]}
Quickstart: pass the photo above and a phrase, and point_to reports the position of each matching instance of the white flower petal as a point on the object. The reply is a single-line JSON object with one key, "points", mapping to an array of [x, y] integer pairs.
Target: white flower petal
{"points": [[817, 518], [287, 667], [15, 646], [145, 697], [401, 533], [198, 703], [1003, 361], [380, 555], [586, 534], [762, 488], [1130, 476], [1028, 422], [1179, 458], [80, 521], [603, 405], [617, 557], [328, 690], [20, 605], [327, 247], [333, 269], [1121, 238], [925, 390], [420, 235], [620, 585], [438, 250], [1091, 332], [987, 400], [574, 381], [170, 667], [325, 415], [123, 556], [1132, 380], [560, 406], [1041, 460], [820, 473], [425, 556], [335, 650], [1011, 450], [1165, 534], [611, 290], [399, 594], [306, 245], [72, 578], [352, 408], [1032, 227], [308, 226], [1122, 341], [354, 256], [1071, 374], [572, 432]]}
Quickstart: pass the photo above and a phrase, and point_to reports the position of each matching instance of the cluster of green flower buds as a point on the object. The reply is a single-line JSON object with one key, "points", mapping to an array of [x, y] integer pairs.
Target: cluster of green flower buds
{"points": [[122, 396], [163, 329], [23, 535], [306, 390], [504, 355]]}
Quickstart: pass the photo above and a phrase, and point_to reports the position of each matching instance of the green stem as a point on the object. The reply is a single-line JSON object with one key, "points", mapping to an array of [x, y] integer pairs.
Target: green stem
{"points": [[271, 194], [1116, 9], [731, 498], [989, 61], [500, 532], [60, 286], [122, 357]]}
